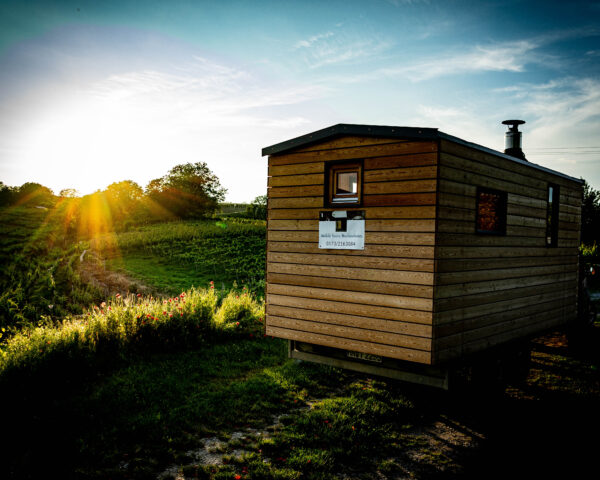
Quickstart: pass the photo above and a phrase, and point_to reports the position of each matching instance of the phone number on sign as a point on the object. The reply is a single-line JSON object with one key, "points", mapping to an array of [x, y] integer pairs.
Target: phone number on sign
{"points": [[340, 244]]}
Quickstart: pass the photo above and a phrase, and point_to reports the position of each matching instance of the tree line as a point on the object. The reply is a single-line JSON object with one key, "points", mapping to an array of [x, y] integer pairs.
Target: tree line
{"points": [[187, 191]]}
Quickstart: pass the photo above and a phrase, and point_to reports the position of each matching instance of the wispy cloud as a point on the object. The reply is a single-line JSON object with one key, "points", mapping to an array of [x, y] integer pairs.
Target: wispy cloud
{"points": [[333, 48], [513, 56], [312, 40], [499, 57]]}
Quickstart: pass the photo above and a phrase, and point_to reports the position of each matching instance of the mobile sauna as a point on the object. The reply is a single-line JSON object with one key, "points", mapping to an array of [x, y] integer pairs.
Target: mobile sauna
{"points": [[400, 251]]}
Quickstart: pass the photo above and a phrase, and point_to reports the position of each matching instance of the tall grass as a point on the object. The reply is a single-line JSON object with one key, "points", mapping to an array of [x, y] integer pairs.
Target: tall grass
{"points": [[127, 325]]}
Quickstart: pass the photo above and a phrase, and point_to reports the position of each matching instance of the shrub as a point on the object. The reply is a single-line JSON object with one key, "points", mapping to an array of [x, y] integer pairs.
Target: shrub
{"points": [[240, 313]]}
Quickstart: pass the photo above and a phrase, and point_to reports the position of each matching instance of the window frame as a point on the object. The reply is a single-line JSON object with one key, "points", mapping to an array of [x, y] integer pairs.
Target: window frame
{"points": [[333, 169], [502, 215], [552, 215]]}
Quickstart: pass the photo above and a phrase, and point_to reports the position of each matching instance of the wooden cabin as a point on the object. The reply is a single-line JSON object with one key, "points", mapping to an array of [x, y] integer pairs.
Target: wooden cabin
{"points": [[397, 250]]}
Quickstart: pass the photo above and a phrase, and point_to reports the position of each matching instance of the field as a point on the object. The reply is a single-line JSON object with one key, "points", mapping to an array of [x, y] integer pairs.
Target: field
{"points": [[162, 380]]}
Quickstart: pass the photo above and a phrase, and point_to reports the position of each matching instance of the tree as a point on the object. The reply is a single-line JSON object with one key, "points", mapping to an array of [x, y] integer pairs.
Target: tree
{"points": [[258, 208], [32, 193], [68, 193], [7, 195], [590, 216], [124, 199], [189, 190]]}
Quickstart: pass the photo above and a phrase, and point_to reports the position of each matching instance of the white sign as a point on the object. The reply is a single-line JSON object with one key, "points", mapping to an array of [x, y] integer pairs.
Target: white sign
{"points": [[342, 233]]}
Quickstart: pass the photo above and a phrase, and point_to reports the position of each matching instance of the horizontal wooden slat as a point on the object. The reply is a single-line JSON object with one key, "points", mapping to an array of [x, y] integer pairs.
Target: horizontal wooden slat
{"points": [[425, 226], [500, 273], [405, 251], [412, 264], [292, 180], [389, 149], [393, 301], [476, 251], [482, 298], [445, 291], [365, 335], [301, 202], [392, 213], [302, 191], [404, 315], [402, 289], [448, 239], [394, 174], [346, 141], [353, 345], [346, 332], [452, 320], [392, 326], [382, 238], [396, 276], [399, 199], [400, 161], [469, 227], [462, 265], [406, 186], [297, 169]]}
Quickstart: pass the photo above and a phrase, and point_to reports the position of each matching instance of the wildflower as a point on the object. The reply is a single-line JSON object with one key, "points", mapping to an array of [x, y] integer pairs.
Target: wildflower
{"points": [[170, 315], [237, 477], [118, 295], [103, 304], [139, 295], [237, 324], [164, 312], [182, 294]]}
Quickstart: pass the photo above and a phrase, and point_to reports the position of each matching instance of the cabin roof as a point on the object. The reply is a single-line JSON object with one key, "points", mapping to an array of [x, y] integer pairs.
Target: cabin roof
{"points": [[405, 133]]}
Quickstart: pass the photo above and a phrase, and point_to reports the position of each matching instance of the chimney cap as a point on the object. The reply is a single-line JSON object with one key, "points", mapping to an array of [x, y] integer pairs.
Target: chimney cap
{"points": [[514, 123]]}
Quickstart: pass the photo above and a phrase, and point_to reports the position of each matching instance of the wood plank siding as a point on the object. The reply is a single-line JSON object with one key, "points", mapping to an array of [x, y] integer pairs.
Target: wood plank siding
{"points": [[491, 289], [427, 288], [378, 300]]}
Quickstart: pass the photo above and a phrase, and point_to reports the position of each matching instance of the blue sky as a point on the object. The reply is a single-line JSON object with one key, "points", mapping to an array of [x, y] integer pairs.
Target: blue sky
{"points": [[93, 92]]}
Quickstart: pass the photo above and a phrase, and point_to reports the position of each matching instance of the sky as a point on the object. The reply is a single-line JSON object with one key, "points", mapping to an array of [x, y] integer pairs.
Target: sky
{"points": [[95, 92]]}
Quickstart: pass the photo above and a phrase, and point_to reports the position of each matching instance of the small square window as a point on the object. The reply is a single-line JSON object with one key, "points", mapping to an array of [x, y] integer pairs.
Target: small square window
{"points": [[491, 212], [345, 183]]}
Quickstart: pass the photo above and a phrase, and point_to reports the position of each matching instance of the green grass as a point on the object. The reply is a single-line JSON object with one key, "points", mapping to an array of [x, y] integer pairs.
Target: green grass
{"points": [[161, 274], [178, 255]]}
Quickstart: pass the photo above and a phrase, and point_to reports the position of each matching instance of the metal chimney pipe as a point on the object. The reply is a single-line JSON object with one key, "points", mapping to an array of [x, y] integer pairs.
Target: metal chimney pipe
{"points": [[512, 139]]}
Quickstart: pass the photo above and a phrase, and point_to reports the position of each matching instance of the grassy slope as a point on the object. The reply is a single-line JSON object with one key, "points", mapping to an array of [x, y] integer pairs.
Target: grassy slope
{"points": [[38, 265], [176, 256]]}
